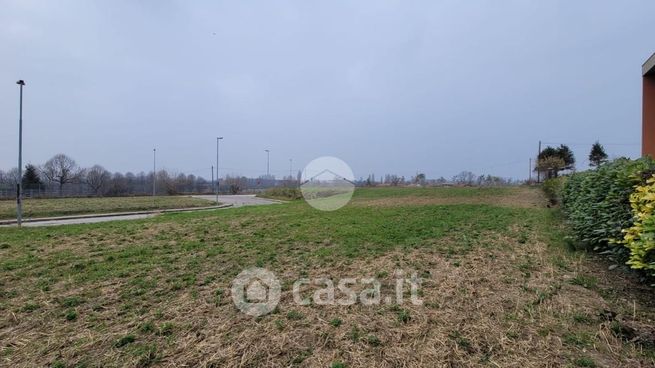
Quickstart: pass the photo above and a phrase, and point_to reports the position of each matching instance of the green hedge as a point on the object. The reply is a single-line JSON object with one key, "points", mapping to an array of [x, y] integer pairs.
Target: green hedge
{"points": [[640, 238], [597, 202], [553, 189]]}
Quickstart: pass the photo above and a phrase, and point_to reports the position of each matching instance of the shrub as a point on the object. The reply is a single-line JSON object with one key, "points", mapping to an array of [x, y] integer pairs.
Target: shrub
{"points": [[597, 202], [283, 193], [640, 237], [553, 189]]}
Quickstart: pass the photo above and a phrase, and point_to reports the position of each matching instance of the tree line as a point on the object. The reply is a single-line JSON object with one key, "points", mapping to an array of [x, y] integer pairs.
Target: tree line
{"points": [[464, 178], [61, 175]]}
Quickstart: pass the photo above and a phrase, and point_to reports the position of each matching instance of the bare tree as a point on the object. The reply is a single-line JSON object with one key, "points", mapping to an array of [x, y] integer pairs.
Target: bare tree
{"points": [[61, 169], [235, 183], [11, 177], [464, 178], [117, 185], [97, 178], [168, 181]]}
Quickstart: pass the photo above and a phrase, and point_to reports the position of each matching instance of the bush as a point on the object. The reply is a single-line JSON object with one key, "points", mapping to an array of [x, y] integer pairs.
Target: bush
{"points": [[553, 189], [597, 202], [282, 193], [640, 237]]}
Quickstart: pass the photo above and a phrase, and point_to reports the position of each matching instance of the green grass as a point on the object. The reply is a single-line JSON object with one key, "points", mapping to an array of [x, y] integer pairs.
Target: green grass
{"points": [[584, 362], [444, 192], [75, 206], [138, 288], [243, 237], [183, 245]]}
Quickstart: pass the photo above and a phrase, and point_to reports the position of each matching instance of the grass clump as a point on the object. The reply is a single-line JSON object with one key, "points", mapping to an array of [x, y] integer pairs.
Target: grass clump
{"points": [[71, 301], [125, 340], [373, 340], [584, 362], [462, 342], [587, 282], [355, 334], [147, 328], [335, 322], [166, 329], [294, 315], [70, 315], [582, 318], [30, 307], [581, 339], [404, 316]]}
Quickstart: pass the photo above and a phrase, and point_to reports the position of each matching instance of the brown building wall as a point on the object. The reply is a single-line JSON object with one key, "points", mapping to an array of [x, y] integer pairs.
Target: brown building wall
{"points": [[648, 124]]}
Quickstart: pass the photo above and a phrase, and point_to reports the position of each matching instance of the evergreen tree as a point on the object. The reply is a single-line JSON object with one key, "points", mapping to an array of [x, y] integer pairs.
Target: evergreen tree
{"points": [[565, 153], [553, 160], [597, 155], [31, 179]]}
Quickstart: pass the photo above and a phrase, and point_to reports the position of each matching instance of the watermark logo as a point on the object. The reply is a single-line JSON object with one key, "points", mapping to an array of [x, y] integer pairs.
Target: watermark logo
{"points": [[327, 183], [256, 291]]}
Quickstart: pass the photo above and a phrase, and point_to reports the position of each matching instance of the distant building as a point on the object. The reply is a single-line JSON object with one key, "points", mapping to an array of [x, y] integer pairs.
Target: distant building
{"points": [[648, 123]]}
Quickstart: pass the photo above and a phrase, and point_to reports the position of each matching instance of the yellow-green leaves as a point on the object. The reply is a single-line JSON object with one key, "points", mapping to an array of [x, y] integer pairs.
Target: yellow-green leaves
{"points": [[640, 237]]}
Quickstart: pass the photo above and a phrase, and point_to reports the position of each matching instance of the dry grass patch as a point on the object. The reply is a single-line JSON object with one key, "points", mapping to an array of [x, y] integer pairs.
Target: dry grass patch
{"points": [[519, 197]]}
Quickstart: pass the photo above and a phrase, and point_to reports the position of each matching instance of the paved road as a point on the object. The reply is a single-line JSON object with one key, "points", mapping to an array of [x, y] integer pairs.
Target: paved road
{"points": [[238, 200], [234, 200]]}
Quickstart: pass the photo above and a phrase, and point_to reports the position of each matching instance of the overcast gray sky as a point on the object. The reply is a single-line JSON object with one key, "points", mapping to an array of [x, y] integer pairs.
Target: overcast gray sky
{"points": [[387, 86]]}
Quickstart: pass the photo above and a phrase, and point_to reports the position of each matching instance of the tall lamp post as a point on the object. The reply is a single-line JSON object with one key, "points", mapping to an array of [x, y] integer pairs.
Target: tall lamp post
{"points": [[154, 172], [268, 161], [218, 139], [19, 192]]}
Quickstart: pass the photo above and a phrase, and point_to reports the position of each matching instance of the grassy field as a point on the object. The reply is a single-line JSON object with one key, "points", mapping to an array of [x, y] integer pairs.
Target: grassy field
{"points": [[75, 206], [500, 285]]}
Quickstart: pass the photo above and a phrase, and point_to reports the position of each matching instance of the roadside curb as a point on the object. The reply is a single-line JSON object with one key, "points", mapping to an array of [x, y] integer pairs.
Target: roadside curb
{"points": [[115, 214]]}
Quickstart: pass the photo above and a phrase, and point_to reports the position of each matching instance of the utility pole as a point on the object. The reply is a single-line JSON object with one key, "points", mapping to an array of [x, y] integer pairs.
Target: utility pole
{"points": [[213, 177], [290, 169], [537, 164], [154, 172], [530, 170], [217, 184], [19, 192], [268, 161]]}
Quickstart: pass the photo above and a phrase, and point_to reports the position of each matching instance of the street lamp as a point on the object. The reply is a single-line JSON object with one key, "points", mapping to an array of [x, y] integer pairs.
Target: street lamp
{"points": [[268, 161], [19, 194], [217, 140]]}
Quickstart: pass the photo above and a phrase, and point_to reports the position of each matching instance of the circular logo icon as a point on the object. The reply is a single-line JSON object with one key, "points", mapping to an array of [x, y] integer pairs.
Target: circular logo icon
{"points": [[256, 291], [327, 183]]}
